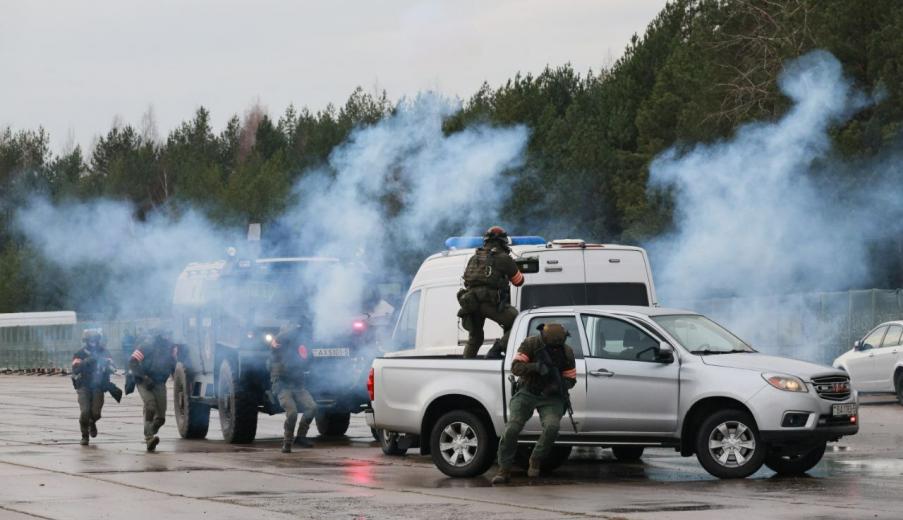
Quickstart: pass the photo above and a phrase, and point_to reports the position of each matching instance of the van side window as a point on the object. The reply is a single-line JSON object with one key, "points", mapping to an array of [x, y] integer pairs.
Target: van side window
{"points": [[615, 339], [405, 336], [568, 322]]}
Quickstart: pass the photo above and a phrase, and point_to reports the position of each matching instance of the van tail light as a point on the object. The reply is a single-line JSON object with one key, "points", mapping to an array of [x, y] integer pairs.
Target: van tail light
{"points": [[370, 384]]}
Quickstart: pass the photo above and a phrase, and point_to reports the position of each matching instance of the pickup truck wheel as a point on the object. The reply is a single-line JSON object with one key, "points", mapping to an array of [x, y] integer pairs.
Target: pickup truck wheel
{"points": [[388, 441], [333, 424], [237, 410], [555, 459], [192, 418], [796, 463], [462, 445], [898, 385], [728, 444], [627, 453]]}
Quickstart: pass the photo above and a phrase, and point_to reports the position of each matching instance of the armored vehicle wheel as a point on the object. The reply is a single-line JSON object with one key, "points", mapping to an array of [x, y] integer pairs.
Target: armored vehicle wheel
{"points": [[556, 458], [462, 445], [237, 410], [796, 463], [192, 418], [728, 444], [333, 424], [627, 453]]}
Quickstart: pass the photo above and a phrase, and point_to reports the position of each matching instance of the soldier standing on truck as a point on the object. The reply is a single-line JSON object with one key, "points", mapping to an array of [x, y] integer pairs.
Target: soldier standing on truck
{"points": [[485, 293], [91, 370], [288, 363], [546, 370], [151, 364]]}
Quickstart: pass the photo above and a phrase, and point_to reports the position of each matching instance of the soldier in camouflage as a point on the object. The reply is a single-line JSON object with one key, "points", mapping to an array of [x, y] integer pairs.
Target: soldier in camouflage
{"points": [[486, 279], [151, 364], [288, 364], [92, 366], [546, 369]]}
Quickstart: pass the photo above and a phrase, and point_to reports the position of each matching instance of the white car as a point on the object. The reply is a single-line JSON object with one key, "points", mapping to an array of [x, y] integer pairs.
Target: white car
{"points": [[875, 363]]}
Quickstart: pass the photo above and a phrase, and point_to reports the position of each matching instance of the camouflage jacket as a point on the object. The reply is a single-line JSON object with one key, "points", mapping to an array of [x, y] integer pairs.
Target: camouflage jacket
{"points": [[91, 368], [492, 268], [288, 359], [155, 360], [526, 366]]}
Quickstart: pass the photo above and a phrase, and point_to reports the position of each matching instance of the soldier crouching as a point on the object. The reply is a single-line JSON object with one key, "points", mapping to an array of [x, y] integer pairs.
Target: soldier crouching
{"points": [[288, 363], [546, 369], [151, 364]]}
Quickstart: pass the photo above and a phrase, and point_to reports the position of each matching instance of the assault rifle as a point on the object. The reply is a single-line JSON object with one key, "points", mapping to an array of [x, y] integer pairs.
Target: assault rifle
{"points": [[546, 359]]}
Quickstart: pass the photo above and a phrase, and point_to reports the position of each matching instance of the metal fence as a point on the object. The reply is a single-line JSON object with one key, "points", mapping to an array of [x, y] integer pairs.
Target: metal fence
{"points": [[52, 347], [812, 326]]}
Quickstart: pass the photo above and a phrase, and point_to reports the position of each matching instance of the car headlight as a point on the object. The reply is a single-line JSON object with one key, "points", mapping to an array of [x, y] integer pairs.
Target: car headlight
{"points": [[786, 383]]}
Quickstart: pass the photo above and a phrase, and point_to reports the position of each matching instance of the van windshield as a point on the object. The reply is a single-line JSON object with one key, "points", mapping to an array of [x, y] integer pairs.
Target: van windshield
{"points": [[553, 295]]}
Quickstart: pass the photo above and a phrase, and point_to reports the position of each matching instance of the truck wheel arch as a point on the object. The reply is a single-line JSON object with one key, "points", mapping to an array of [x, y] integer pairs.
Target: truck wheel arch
{"points": [[445, 404], [698, 412]]}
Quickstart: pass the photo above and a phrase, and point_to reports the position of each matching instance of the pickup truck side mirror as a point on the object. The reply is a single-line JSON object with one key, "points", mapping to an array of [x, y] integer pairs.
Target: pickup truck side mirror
{"points": [[664, 353]]}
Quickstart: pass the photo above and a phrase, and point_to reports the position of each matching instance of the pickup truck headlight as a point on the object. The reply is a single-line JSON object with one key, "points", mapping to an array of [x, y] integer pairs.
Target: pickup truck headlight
{"points": [[786, 383]]}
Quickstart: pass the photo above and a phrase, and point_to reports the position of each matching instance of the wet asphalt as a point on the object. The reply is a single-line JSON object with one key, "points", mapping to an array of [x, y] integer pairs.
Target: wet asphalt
{"points": [[45, 473]]}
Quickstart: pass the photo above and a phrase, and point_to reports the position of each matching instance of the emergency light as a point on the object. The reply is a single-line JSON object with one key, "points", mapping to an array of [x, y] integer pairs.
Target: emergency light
{"points": [[474, 242]]}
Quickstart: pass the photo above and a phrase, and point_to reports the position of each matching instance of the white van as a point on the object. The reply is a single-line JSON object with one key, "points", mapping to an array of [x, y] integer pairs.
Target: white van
{"points": [[557, 273]]}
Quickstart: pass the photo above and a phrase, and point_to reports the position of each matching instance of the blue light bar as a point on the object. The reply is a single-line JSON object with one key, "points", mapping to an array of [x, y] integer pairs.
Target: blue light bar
{"points": [[474, 242]]}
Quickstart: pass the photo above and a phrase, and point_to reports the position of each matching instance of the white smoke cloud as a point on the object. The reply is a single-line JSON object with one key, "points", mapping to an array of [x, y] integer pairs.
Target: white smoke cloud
{"points": [[757, 213], [385, 193], [437, 181]]}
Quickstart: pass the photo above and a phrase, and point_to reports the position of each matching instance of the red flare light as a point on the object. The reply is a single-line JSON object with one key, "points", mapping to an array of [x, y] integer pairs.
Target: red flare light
{"points": [[359, 326]]}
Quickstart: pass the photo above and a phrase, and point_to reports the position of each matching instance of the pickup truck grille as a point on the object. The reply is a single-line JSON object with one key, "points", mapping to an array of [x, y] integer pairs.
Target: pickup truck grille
{"points": [[832, 388]]}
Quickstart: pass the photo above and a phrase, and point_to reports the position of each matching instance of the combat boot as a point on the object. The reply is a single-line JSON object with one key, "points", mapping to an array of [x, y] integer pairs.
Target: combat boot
{"points": [[502, 477], [533, 470], [286, 446], [84, 441], [93, 430], [303, 442], [152, 443]]}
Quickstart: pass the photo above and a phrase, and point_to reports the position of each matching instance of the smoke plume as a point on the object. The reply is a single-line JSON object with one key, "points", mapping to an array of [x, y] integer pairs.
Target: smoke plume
{"points": [[762, 213], [392, 189]]}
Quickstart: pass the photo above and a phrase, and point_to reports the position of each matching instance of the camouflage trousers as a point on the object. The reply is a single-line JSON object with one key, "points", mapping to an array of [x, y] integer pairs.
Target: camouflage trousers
{"points": [[293, 399], [154, 407], [551, 410], [475, 321], [90, 403]]}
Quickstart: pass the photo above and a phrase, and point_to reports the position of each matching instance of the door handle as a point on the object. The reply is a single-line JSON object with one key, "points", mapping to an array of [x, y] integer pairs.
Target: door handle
{"points": [[601, 373]]}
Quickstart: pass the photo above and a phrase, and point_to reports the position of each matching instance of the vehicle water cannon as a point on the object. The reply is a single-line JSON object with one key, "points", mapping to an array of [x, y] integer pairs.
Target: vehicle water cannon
{"points": [[474, 242]]}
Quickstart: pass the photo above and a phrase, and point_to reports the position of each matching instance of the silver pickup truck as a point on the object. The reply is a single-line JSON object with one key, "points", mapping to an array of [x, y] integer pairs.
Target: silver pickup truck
{"points": [[646, 377]]}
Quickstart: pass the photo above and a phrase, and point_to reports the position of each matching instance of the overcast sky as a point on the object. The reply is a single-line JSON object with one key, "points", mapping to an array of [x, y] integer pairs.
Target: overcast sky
{"points": [[72, 66]]}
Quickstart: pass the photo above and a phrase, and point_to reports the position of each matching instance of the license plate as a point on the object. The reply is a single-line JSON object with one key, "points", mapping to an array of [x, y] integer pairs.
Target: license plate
{"points": [[331, 352], [842, 410]]}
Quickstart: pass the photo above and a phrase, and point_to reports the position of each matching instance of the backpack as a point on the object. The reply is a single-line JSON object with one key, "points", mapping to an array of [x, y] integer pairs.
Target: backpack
{"points": [[481, 271]]}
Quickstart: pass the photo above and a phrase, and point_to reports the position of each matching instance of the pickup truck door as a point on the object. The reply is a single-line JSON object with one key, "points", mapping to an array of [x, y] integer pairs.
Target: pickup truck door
{"points": [[628, 391], [578, 393]]}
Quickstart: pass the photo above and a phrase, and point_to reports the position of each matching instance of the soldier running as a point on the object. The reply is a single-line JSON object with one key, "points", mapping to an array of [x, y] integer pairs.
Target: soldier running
{"points": [[288, 363], [92, 366], [486, 279], [546, 369], [151, 364]]}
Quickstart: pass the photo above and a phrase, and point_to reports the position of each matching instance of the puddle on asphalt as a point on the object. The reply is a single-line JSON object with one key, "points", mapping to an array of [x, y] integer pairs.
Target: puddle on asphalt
{"points": [[669, 507]]}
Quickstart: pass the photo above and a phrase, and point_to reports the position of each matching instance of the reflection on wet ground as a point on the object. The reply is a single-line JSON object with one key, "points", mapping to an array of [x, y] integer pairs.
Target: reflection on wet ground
{"points": [[45, 473]]}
